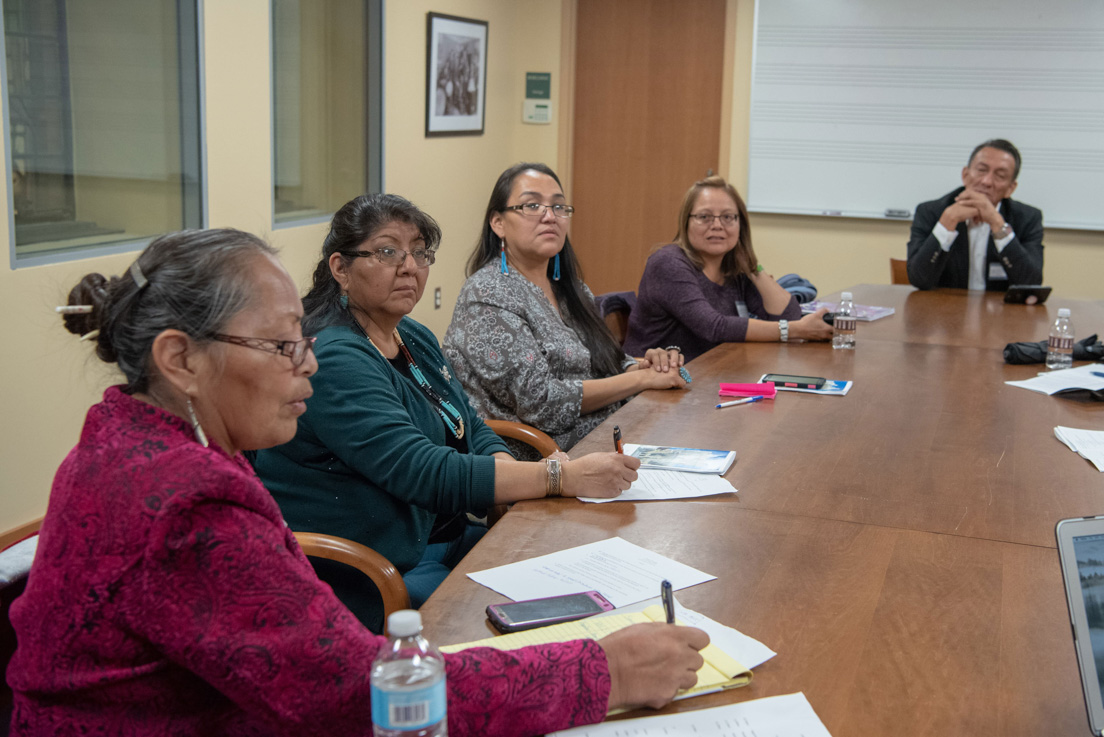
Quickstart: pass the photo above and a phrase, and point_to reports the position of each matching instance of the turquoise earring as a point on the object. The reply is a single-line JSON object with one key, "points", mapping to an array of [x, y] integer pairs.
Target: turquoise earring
{"points": [[343, 300], [556, 268], [503, 268]]}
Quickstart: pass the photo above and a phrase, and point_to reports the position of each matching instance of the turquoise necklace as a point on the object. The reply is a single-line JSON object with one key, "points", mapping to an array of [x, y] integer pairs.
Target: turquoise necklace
{"points": [[452, 419]]}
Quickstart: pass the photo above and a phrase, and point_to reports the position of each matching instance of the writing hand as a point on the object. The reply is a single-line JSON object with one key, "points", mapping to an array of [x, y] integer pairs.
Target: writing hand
{"points": [[649, 663]]}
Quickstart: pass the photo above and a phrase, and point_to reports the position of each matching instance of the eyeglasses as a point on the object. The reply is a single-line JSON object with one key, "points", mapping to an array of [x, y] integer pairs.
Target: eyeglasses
{"points": [[536, 210], [397, 257], [706, 219], [296, 350]]}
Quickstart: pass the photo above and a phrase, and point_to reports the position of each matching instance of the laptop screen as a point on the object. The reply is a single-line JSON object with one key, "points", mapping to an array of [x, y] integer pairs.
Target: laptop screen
{"points": [[1089, 552]]}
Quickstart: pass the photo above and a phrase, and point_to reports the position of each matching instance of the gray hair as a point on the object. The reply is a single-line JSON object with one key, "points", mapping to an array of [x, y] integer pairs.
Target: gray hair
{"points": [[194, 281]]}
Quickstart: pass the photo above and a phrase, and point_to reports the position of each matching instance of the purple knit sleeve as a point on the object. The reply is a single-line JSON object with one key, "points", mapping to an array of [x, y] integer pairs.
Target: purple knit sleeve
{"points": [[755, 303], [534, 690]]}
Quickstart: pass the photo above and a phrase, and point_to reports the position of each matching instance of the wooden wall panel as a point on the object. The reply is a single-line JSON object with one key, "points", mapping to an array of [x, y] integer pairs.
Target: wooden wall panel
{"points": [[647, 125]]}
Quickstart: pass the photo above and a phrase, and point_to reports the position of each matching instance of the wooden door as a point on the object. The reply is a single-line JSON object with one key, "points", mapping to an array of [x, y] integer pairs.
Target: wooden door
{"points": [[648, 77]]}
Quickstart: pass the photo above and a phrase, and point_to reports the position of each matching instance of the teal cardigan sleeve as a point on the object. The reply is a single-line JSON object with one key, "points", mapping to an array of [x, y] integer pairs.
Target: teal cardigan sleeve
{"points": [[381, 426]]}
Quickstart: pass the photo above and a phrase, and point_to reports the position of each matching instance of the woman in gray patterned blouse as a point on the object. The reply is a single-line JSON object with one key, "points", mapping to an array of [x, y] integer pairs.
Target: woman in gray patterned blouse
{"points": [[526, 339]]}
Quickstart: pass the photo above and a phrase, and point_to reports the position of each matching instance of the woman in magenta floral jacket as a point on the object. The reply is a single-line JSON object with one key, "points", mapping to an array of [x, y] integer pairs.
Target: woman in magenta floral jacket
{"points": [[167, 595]]}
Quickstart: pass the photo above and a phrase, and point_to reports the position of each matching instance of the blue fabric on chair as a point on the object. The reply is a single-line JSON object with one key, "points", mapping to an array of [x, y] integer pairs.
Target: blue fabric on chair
{"points": [[801, 288]]}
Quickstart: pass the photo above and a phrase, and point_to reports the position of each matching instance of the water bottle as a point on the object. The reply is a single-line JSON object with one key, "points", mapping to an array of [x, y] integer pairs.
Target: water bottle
{"points": [[1060, 343], [408, 682], [843, 328]]}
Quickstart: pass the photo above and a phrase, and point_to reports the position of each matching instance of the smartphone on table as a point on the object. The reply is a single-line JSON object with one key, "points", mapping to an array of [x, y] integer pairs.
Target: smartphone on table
{"points": [[516, 616], [799, 382]]}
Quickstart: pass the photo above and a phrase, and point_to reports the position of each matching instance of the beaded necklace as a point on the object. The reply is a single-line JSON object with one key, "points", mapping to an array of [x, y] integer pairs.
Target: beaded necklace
{"points": [[451, 417]]}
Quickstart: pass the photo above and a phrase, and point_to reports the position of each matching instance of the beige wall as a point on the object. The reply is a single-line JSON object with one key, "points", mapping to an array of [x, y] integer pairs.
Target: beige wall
{"points": [[836, 253], [49, 379]]}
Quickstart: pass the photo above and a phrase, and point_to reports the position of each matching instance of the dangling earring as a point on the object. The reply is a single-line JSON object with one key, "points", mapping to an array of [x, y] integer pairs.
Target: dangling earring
{"points": [[200, 435], [556, 268], [503, 252], [343, 300]]}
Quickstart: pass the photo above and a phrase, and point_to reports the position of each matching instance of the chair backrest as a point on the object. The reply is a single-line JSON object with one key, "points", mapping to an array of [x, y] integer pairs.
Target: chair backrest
{"points": [[373, 565], [615, 308], [540, 441], [898, 271], [9, 594]]}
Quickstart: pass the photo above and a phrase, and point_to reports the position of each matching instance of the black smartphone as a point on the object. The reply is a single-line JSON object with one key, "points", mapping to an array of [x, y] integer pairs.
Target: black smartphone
{"points": [[526, 615], [800, 382], [1026, 294]]}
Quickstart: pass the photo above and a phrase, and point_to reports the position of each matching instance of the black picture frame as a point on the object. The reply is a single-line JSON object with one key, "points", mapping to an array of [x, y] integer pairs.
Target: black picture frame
{"points": [[456, 75]]}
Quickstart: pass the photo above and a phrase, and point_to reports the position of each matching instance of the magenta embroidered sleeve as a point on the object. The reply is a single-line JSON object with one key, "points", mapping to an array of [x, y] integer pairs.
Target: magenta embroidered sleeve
{"points": [[228, 594]]}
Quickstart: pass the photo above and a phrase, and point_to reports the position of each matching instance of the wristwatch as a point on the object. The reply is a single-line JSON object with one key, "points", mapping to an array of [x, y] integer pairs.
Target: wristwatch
{"points": [[784, 331], [1004, 232]]}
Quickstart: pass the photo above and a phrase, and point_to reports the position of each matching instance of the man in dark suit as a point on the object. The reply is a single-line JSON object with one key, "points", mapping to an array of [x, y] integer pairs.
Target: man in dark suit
{"points": [[976, 237]]}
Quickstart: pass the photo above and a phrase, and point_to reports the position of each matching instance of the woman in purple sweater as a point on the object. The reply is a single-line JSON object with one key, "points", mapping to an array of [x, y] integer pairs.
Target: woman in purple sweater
{"points": [[168, 597], [708, 287]]}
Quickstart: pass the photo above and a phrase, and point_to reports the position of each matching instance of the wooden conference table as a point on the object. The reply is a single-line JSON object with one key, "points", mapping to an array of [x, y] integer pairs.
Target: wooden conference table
{"points": [[894, 546]]}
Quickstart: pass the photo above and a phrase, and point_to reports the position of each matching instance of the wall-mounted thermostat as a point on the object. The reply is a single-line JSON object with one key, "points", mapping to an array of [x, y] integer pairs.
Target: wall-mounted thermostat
{"points": [[538, 98]]}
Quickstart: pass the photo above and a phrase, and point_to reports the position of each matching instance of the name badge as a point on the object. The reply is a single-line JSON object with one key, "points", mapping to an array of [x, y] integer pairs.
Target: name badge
{"points": [[996, 271]]}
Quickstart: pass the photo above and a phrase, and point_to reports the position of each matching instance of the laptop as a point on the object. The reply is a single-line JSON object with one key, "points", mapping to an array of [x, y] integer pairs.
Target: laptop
{"points": [[1081, 550]]}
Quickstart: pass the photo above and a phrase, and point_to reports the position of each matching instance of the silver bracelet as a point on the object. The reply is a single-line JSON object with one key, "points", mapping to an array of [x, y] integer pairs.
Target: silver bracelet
{"points": [[784, 331], [553, 483]]}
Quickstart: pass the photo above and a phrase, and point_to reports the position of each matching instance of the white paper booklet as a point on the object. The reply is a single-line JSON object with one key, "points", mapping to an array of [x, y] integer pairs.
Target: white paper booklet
{"points": [[1089, 376], [689, 460]]}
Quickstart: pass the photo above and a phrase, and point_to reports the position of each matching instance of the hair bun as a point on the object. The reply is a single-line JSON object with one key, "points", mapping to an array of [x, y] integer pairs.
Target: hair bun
{"points": [[94, 290]]}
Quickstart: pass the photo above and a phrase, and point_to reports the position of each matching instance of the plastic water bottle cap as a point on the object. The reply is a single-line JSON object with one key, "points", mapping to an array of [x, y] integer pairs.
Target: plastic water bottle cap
{"points": [[1063, 312], [846, 296], [404, 623]]}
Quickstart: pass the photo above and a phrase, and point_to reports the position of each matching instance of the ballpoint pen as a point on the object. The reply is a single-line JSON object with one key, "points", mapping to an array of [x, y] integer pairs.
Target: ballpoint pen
{"points": [[668, 596], [749, 400], [617, 439], [1097, 373]]}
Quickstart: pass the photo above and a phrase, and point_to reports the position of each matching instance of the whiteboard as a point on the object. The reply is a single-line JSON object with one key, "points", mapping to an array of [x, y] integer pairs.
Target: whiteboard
{"points": [[865, 108]]}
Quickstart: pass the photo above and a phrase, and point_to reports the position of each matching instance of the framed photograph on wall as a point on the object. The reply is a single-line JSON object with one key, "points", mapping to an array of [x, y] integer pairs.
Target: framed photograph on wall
{"points": [[456, 75]]}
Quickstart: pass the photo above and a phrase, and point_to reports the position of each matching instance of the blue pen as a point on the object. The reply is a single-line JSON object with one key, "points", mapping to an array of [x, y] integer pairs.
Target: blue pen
{"points": [[749, 400], [1097, 373], [668, 595]]}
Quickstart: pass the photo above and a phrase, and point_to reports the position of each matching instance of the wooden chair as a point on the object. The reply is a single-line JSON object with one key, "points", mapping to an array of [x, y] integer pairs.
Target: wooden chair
{"points": [[540, 441], [615, 308], [9, 594], [898, 271], [373, 565], [531, 436]]}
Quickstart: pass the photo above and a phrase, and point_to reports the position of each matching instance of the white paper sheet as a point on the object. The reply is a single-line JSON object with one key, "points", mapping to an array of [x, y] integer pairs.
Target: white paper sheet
{"points": [[1051, 382], [749, 651], [652, 484], [1089, 444], [778, 716], [622, 572]]}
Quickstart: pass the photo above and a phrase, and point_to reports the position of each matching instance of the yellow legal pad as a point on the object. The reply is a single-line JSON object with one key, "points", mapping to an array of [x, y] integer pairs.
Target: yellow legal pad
{"points": [[720, 670]]}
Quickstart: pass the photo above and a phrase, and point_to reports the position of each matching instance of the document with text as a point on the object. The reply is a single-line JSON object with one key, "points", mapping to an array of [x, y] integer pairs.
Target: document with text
{"points": [[777, 716], [1089, 444], [656, 485], [622, 572]]}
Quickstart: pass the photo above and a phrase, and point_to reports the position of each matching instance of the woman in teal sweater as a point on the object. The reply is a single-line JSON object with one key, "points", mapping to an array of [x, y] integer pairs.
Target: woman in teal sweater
{"points": [[389, 452]]}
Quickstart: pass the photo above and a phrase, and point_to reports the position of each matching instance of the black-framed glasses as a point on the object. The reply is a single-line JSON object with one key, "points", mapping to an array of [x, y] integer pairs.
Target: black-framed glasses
{"points": [[728, 219], [536, 209], [296, 350], [397, 257]]}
